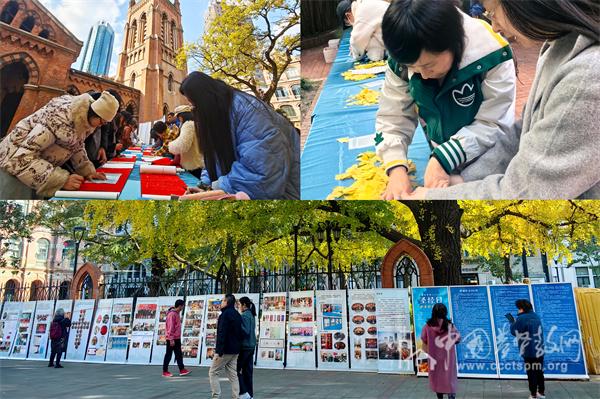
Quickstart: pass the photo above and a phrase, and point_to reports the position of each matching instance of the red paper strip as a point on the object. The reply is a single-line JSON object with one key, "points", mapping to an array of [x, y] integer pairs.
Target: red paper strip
{"points": [[162, 184], [124, 159], [112, 188], [135, 148], [165, 162]]}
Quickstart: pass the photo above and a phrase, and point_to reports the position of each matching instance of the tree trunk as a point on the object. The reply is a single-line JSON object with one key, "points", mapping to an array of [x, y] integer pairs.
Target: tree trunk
{"points": [[158, 271], [231, 284], [508, 276], [439, 227]]}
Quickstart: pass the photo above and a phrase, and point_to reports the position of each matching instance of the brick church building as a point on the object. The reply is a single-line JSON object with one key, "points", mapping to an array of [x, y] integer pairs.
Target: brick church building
{"points": [[152, 38], [36, 54]]}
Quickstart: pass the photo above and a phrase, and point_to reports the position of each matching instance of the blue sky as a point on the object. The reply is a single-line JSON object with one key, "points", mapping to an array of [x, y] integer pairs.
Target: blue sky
{"points": [[80, 15]]}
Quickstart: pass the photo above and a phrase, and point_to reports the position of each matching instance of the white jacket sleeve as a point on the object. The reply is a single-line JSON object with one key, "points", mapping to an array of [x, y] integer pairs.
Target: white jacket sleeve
{"points": [[396, 121], [367, 22], [494, 119]]}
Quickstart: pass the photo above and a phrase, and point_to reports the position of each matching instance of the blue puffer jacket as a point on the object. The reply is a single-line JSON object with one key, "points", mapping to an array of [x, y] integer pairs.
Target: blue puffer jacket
{"points": [[267, 153], [530, 335]]}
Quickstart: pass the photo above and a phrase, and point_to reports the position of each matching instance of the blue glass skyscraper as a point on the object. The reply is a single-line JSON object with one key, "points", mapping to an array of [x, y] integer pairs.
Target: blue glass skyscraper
{"points": [[98, 49]]}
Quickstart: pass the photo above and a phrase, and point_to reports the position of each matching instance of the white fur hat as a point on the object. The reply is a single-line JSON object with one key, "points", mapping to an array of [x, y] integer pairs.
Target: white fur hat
{"points": [[183, 108], [106, 106]]}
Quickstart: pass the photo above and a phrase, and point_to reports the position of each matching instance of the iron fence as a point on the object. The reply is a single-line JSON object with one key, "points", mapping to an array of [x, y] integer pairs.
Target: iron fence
{"points": [[257, 281]]}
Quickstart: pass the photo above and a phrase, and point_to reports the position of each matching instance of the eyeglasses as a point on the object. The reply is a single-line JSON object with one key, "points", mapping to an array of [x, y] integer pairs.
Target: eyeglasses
{"points": [[489, 14]]}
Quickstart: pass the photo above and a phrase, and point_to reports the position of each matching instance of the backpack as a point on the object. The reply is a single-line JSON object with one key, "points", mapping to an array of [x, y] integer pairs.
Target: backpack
{"points": [[55, 330]]}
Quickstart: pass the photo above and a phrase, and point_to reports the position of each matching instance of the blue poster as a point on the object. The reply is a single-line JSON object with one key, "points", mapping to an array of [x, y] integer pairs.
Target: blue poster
{"points": [[471, 316], [503, 299], [555, 305], [423, 299]]}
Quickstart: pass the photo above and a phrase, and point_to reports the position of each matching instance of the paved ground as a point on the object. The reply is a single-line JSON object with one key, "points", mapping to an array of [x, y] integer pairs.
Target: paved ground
{"points": [[32, 379]]}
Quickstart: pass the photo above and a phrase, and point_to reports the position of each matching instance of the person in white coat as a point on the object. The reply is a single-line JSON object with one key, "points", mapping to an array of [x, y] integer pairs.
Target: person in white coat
{"points": [[365, 18], [186, 145]]}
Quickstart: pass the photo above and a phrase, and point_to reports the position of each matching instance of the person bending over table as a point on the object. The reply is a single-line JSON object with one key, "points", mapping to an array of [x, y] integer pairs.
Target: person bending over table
{"points": [[247, 146], [365, 18], [32, 154], [454, 74], [186, 145], [553, 152]]}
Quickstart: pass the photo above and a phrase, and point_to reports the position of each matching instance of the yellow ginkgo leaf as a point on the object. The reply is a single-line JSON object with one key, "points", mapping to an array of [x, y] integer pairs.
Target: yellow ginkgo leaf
{"points": [[365, 97]]}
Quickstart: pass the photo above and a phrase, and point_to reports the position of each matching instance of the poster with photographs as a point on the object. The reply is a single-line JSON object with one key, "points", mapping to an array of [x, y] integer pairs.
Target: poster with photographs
{"points": [[160, 334], [271, 342], [8, 326], [301, 333], [394, 340], [213, 311], [81, 324], [40, 333], [67, 306], [191, 328], [96, 351], [332, 330], [423, 301], [363, 330], [142, 330], [19, 348], [120, 323]]}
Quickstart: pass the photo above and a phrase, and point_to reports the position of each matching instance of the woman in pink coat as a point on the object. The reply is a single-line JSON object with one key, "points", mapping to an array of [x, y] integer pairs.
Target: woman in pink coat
{"points": [[439, 338]]}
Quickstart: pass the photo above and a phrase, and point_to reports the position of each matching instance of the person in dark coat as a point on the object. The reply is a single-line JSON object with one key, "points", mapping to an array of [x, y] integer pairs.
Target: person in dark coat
{"points": [[57, 346], [530, 337], [229, 344]]}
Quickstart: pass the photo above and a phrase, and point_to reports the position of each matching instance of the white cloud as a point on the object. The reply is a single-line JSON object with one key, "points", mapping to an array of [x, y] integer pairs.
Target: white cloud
{"points": [[80, 15]]}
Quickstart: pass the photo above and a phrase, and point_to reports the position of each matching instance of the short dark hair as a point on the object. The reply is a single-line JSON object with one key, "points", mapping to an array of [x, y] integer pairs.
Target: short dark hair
{"points": [[179, 303], [343, 7], [524, 304], [542, 20], [411, 26], [230, 298], [159, 127], [186, 116], [171, 113]]}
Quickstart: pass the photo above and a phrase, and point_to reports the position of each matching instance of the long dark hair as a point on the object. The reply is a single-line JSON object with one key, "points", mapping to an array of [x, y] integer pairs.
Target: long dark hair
{"points": [[542, 20], [439, 312], [411, 26], [212, 100], [248, 303]]}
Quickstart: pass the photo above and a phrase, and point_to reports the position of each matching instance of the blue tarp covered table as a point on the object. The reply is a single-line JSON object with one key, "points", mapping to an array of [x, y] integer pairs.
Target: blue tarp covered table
{"points": [[324, 156], [133, 189]]}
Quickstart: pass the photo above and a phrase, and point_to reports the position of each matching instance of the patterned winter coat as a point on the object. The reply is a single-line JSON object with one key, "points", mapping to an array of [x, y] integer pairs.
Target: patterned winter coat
{"points": [[39, 144]]}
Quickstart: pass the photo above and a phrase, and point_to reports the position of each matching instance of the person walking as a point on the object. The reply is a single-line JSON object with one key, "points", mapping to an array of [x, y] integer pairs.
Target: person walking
{"points": [[173, 331], [229, 343], [58, 337], [530, 337], [245, 362], [440, 337]]}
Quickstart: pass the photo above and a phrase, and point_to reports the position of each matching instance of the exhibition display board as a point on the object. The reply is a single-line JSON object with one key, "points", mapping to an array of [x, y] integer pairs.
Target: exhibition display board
{"points": [[96, 351], [363, 334], [83, 312], [8, 326], [555, 304], [393, 331], [503, 298], [332, 330], [301, 331], [423, 300], [120, 325], [142, 331], [40, 335], [23, 334], [271, 343], [191, 328], [471, 314], [67, 306]]}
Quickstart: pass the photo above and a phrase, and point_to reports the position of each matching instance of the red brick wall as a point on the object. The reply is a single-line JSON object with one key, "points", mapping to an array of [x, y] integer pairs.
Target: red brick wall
{"points": [[395, 253]]}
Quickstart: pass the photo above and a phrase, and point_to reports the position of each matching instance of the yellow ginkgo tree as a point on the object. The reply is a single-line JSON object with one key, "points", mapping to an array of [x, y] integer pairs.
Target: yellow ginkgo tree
{"points": [[245, 39]]}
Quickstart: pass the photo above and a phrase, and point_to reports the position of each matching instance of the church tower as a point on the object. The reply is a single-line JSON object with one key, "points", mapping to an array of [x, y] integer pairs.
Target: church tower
{"points": [[152, 37]]}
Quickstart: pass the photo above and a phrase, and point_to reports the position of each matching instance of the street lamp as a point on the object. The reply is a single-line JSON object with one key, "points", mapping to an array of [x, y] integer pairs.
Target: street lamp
{"points": [[78, 233]]}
